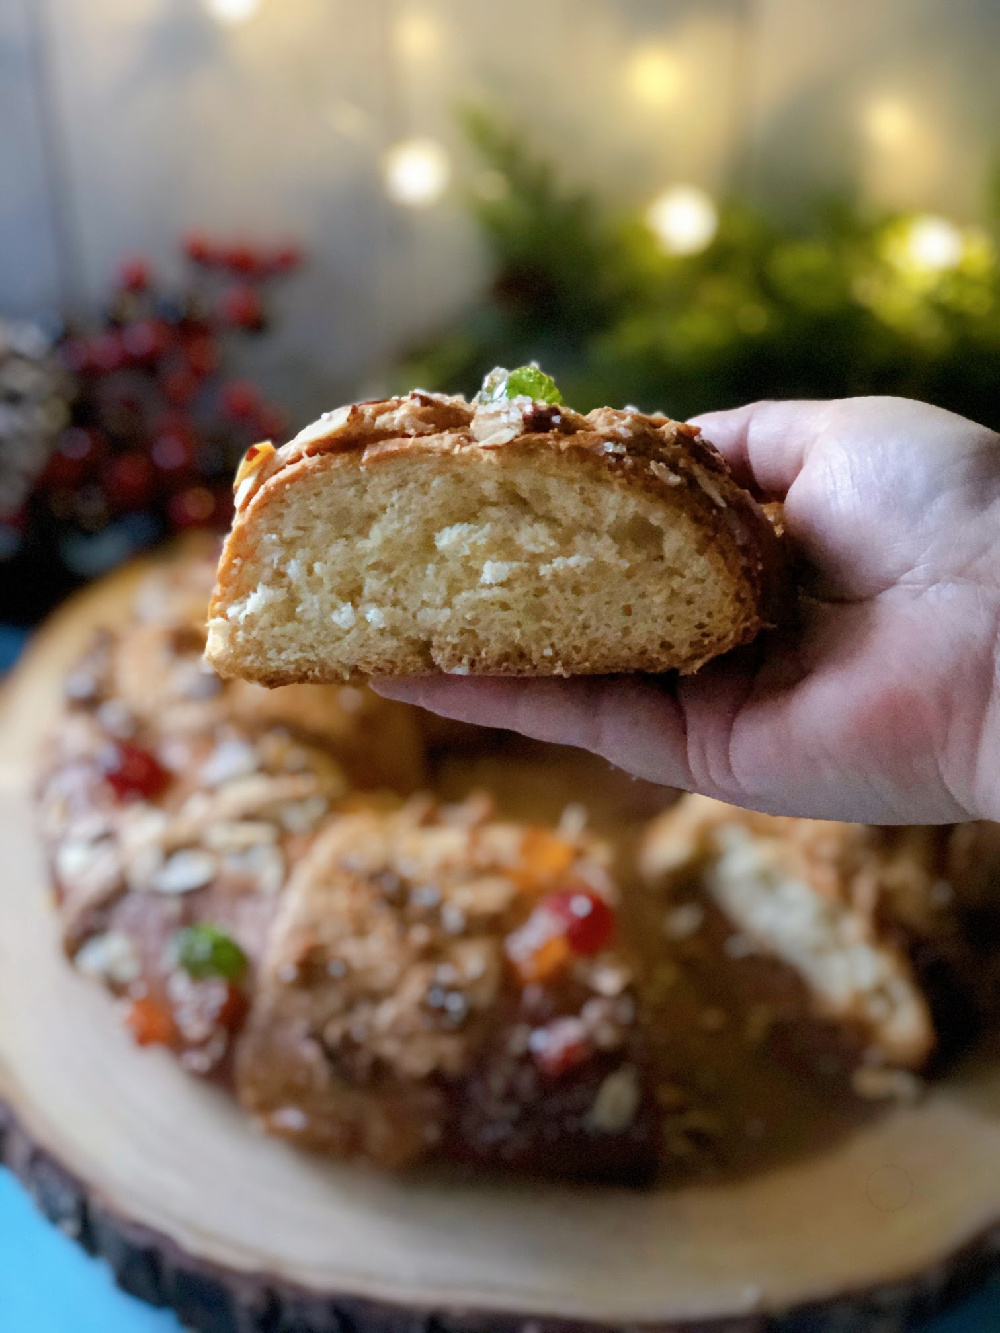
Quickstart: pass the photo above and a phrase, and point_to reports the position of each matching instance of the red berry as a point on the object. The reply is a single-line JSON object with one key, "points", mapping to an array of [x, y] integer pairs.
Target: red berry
{"points": [[588, 921], [191, 508], [285, 258], [173, 449], [243, 259], [240, 399], [132, 772], [129, 480], [559, 1045], [107, 352], [146, 340], [202, 354], [243, 307], [179, 387], [199, 249], [135, 274]]}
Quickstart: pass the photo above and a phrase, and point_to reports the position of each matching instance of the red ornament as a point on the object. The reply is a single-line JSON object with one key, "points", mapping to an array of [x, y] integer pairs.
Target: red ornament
{"points": [[133, 773], [193, 507], [199, 249], [243, 307], [129, 480], [240, 399], [135, 274], [588, 923]]}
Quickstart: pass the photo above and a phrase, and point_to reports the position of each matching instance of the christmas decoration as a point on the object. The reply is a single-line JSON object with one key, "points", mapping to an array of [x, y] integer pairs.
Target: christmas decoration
{"points": [[120, 435], [688, 305]]}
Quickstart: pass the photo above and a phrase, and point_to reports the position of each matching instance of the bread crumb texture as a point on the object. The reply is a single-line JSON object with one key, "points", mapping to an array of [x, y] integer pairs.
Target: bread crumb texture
{"points": [[425, 533]]}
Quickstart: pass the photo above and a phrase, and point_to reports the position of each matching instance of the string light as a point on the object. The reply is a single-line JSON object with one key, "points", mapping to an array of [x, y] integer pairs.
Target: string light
{"points": [[232, 11], [415, 35], [417, 172], [931, 244], [888, 122], [654, 76], [684, 219]]}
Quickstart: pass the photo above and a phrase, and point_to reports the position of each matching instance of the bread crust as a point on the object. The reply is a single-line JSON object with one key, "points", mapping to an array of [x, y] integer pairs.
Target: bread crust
{"points": [[661, 459]]}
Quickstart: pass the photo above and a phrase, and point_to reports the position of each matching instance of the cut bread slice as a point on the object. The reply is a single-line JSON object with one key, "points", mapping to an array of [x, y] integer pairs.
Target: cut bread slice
{"points": [[512, 537]]}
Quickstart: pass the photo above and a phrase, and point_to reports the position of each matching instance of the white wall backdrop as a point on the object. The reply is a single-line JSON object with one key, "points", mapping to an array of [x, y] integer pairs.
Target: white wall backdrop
{"points": [[125, 122]]}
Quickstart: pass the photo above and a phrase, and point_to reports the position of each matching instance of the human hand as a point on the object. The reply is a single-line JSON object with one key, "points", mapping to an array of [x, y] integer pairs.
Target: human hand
{"points": [[882, 704]]}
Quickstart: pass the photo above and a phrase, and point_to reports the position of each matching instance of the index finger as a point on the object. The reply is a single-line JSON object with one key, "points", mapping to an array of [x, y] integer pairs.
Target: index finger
{"points": [[766, 443]]}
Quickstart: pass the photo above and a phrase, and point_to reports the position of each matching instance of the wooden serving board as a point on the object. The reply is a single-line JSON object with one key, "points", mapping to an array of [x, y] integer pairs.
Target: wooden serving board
{"points": [[164, 1176]]}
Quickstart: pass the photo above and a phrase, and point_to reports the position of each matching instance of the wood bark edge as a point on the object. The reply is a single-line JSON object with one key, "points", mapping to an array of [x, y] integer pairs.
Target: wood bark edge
{"points": [[212, 1299]]}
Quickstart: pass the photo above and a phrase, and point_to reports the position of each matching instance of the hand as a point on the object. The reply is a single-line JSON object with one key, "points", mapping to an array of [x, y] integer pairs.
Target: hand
{"points": [[882, 705]]}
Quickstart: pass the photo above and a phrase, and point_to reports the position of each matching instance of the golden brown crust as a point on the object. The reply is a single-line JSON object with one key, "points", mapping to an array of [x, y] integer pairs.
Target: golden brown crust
{"points": [[663, 459]]}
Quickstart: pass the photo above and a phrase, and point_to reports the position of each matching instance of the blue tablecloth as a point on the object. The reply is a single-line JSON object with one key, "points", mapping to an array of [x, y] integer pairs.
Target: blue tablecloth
{"points": [[48, 1285]]}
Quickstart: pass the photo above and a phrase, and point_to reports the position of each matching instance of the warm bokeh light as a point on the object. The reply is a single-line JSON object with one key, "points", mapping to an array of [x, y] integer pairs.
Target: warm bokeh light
{"points": [[232, 11], [654, 76], [888, 122], [684, 219], [415, 35], [417, 172], [932, 244]]}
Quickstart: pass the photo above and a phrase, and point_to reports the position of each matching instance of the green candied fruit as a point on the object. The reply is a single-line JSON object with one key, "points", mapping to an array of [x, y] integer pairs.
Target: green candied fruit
{"points": [[204, 951], [525, 381], [533, 383]]}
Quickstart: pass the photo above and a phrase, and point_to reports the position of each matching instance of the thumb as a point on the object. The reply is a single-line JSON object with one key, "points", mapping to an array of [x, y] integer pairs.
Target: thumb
{"points": [[766, 443]]}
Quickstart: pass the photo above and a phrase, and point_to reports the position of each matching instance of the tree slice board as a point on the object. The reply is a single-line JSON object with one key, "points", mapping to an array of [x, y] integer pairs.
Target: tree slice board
{"points": [[241, 1234]]}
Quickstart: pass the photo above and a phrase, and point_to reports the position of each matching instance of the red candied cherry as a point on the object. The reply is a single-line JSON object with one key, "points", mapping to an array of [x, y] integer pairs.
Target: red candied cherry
{"points": [[240, 399], [559, 1045], [588, 921], [179, 386], [243, 308], [199, 249], [146, 340], [193, 507], [129, 480], [285, 258], [135, 274], [202, 354], [133, 773], [107, 351]]}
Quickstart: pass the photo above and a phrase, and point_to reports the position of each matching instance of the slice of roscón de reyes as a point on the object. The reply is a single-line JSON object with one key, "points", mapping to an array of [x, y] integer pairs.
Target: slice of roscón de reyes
{"points": [[507, 536]]}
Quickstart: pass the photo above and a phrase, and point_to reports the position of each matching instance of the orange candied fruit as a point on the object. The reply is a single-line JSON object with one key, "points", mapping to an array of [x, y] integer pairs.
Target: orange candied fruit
{"points": [[253, 460], [151, 1023], [544, 857]]}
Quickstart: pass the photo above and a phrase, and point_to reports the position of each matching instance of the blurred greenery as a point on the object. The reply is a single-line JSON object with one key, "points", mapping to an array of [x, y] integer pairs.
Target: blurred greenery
{"points": [[853, 303]]}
